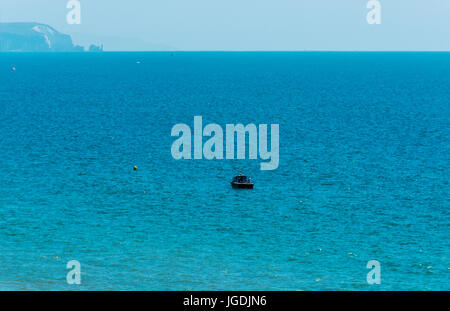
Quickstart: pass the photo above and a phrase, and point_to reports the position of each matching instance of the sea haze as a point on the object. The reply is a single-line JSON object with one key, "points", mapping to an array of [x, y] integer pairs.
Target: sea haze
{"points": [[363, 175]]}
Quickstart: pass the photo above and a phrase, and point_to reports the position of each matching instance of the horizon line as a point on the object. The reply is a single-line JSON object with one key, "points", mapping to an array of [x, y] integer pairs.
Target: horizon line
{"points": [[239, 51]]}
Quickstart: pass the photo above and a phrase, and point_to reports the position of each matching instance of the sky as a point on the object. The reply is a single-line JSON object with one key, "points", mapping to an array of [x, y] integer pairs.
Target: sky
{"points": [[244, 25]]}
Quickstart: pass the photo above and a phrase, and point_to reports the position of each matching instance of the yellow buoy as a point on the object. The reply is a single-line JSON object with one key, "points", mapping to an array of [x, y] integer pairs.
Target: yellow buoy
{"points": [[135, 168]]}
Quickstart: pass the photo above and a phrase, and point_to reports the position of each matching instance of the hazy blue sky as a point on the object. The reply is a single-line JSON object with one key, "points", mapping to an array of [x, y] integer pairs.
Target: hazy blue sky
{"points": [[244, 24]]}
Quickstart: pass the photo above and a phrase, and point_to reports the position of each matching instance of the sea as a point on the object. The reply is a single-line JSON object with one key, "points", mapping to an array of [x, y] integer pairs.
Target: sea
{"points": [[363, 175]]}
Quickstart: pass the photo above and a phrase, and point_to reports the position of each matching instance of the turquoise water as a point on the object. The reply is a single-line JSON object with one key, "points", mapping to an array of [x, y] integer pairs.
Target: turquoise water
{"points": [[364, 171]]}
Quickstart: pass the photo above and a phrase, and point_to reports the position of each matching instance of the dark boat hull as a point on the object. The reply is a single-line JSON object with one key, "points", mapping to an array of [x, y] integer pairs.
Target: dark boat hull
{"points": [[236, 185]]}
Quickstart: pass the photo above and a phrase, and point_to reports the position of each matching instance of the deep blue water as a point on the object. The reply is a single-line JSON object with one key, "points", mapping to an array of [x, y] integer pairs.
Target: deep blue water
{"points": [[364, 171]]}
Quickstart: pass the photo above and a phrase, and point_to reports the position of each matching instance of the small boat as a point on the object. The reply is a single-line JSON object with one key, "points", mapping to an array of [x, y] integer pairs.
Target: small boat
{"points": [[241, 182]]}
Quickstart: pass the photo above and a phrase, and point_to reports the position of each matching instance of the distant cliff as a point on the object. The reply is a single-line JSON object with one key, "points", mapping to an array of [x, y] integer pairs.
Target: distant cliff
{"points": [[35, 37]]}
